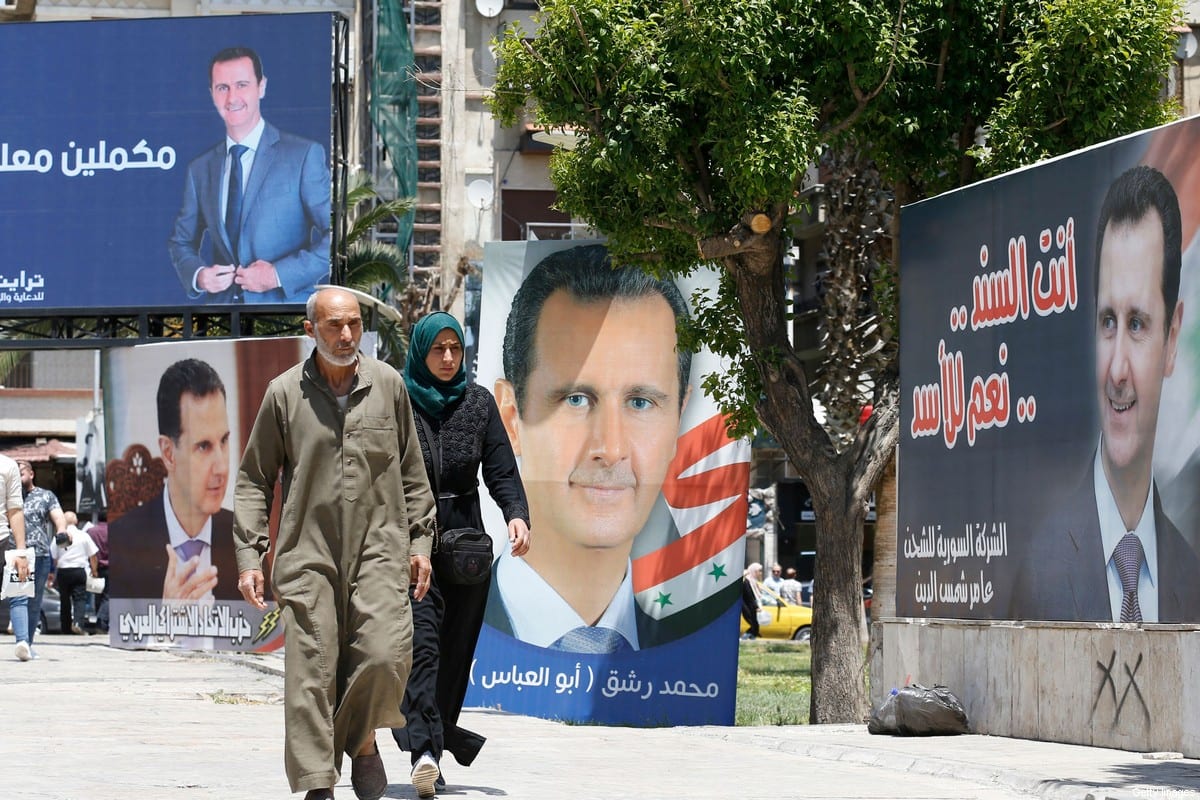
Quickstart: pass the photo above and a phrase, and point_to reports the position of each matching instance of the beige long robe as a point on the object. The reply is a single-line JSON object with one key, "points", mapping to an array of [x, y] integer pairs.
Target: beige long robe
{"points": [[356, 503]]}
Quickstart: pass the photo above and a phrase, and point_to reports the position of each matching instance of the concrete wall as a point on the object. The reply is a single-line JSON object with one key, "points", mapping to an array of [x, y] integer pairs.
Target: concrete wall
{"points": [[1098, 684]]}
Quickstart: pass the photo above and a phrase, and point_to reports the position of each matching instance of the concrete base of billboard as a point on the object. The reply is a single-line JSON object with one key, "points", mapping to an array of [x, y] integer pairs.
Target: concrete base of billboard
{"points": [[1098, 684]]}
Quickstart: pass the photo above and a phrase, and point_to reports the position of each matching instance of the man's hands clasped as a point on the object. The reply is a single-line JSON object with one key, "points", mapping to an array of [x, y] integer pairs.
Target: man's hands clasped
{"points": [[260, 276]]}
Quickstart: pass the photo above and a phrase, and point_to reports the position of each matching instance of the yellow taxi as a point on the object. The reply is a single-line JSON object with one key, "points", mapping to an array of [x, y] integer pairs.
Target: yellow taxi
{"points": [[784, 619]]}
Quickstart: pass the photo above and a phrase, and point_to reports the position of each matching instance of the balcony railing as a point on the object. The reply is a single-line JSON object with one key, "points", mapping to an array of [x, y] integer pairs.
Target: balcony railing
{"points": [[558, 230]]}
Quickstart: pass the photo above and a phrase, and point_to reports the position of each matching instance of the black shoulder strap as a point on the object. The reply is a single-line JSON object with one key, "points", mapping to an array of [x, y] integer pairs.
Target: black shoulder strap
{"points": [[435, 452]]}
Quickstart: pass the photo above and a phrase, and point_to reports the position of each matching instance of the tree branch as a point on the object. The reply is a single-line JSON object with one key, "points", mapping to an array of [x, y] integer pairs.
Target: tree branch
{"points": [[670, 225], [702, 184], [944, 55], [588, 45], [739, 242], [878, 441], [865, 99]]}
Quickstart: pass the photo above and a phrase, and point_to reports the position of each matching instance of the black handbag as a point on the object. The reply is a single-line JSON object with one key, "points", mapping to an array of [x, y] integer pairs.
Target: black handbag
{"points": [[463, 556], [460, 555]]}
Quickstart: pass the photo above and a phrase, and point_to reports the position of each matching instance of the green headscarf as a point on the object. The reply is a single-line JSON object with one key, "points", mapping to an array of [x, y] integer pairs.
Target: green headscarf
{"points": [[431, 395]]}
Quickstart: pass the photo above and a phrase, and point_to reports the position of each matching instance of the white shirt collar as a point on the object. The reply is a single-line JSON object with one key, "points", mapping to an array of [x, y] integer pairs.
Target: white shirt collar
{"points": [[1112, 530], [252, 138], [540, 616], [175, 531]]}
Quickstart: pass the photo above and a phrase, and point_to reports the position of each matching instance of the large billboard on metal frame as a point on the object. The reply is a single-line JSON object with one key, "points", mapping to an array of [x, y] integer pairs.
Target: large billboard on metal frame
{"points": [[113, 174]]}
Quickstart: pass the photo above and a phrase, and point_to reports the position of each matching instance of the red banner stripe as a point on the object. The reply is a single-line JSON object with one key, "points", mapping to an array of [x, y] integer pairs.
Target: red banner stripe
{"points": [[697, 547]]}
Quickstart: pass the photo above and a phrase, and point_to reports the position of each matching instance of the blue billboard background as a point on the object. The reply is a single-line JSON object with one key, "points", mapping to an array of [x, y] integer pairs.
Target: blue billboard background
{"points": [[96, 133]]}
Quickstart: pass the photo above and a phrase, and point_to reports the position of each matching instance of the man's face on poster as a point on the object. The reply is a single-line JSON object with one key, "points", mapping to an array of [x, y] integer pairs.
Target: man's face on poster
{"points": [[236, 92], [1135, 348], [198, 464], [601, 417]]}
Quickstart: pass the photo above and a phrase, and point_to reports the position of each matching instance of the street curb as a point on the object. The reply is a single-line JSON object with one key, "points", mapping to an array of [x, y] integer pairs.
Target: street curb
{"points": [[268, 665], [940, 767]]}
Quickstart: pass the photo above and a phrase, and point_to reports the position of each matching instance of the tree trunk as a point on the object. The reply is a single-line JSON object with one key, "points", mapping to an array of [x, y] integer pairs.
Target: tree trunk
{"points": [[839, 689], [838, 482], [883, 575]]}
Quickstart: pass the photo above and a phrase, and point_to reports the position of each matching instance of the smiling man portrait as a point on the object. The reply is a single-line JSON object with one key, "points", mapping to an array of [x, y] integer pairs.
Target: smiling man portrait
{"points": [[1110, 553], [261, 197], [593, 392]]}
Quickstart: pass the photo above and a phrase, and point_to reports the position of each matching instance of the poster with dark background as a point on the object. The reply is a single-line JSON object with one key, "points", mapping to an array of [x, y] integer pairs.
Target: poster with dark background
{"points": [[1000, 399]]}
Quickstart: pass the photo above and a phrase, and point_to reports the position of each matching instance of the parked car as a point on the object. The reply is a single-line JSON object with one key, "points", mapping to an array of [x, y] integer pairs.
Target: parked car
{"points": [[787, 620], [50, 621]]}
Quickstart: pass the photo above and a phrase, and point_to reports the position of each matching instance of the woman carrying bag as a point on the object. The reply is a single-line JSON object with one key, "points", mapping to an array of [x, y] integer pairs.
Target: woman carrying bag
{"points": [[460, 429]]}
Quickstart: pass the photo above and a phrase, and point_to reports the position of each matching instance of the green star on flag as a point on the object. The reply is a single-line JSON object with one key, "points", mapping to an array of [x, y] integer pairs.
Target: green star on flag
{"points": [[718, 572], [663, 600]]}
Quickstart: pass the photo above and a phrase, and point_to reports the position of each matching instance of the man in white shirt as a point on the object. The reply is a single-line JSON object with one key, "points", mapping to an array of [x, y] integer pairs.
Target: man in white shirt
{"points": [[593, 392], [12, 537], [74, 555], [1111, 553], [791, 588]]}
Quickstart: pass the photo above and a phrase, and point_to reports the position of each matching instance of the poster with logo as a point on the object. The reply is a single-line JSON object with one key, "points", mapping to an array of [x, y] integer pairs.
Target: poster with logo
{"points": [[626, 608], [1050, 374], [115, 171], [178, 418]]}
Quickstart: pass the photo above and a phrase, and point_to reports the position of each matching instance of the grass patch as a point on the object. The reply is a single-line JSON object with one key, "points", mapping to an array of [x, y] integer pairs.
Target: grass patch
{"points": [[774, 683]]}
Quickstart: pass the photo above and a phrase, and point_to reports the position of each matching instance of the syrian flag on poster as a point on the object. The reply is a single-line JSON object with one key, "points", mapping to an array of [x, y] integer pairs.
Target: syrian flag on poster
{"points": [[684, 584]]}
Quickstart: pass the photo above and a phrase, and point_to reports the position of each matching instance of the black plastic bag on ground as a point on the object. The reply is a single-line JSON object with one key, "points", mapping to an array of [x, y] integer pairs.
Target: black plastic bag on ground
{"points": [[883, 719], [921, 711]]}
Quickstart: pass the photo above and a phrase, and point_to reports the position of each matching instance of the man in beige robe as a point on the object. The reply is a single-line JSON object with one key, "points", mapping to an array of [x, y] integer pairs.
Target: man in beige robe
{"points": [[356, 527]]}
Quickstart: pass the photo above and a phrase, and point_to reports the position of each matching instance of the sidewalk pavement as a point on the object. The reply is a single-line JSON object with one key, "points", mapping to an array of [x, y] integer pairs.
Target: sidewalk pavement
{"points": [[88, 722]]}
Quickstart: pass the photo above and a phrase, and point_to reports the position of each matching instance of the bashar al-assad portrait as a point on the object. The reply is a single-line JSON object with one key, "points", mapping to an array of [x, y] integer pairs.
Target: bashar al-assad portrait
{"points": [[636, 492], [179, 414]]}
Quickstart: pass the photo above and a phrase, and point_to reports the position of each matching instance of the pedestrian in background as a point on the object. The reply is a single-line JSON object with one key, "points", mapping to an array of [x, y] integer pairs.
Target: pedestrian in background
{"points": [[74, 555], [98, 531], [43, 520], [791, 589], [774, 581], [751, 599]]}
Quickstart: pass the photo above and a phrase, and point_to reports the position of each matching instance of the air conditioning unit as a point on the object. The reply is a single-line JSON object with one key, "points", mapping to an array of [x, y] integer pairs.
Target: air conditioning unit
{"points": [[16, 10]]}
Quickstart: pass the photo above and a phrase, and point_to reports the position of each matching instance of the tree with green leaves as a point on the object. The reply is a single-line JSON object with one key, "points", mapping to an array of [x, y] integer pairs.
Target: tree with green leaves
{"points": [[376, 268], [699, 124], [380, 269]]}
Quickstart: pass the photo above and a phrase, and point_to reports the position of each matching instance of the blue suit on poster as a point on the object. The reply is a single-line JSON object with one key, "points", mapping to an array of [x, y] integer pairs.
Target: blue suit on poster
{"points": [[284, 221]]}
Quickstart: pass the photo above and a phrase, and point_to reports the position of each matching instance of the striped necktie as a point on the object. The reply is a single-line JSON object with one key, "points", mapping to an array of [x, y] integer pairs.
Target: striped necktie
{"points": [[1129, 557], [585, 639]]}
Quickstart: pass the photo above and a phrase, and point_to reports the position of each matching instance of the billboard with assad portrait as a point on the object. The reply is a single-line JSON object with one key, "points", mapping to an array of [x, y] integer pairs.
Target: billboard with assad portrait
{"points": [[625, 609], [119, 185], [178, 417], [1050, 369]]}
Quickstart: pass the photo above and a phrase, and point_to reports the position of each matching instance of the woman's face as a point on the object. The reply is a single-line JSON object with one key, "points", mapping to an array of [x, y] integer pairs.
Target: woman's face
{"points": [[445, 356]]}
